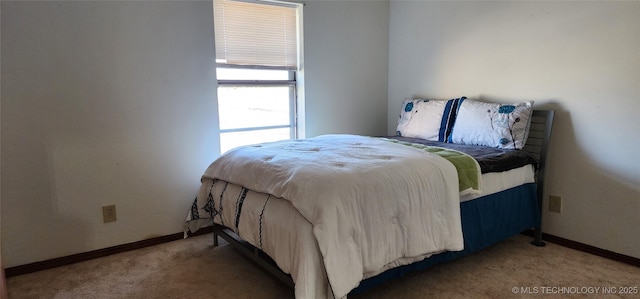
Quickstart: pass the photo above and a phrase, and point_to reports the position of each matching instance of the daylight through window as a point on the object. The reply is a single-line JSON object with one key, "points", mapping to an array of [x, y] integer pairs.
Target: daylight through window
{"points": [[257, 57]]}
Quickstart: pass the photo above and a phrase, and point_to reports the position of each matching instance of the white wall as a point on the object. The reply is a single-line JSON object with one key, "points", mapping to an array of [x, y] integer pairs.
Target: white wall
{"points": [[109, 102], [346, 50], [579, 58], [114, 103]]}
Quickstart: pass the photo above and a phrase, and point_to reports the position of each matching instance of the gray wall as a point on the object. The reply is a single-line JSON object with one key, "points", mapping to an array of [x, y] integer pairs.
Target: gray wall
{"points": [[103, 103], [114, 102], [346, 51], [580, 58]]}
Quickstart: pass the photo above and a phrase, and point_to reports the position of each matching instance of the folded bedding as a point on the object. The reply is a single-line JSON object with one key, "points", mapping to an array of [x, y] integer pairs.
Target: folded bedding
{"points": [[468, 169], [490, 159]]}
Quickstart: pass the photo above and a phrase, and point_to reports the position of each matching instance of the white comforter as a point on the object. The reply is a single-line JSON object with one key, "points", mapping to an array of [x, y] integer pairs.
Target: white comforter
{"points": [[372, 204]]}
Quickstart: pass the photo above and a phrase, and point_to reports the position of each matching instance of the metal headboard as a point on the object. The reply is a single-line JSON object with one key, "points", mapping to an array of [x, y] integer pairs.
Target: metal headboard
{"points": [[538, 145]]}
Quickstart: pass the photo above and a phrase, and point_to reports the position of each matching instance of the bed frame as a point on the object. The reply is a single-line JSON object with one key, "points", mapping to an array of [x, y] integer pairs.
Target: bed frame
{"points": [[537, 145]]}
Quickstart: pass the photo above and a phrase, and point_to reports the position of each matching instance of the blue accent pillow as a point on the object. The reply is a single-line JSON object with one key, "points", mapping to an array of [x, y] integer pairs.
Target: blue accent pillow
{"points": [[428, 119]]}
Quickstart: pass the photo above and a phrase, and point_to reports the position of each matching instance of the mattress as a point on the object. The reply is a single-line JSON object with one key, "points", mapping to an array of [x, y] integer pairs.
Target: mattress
{"points": [[494, 182]]}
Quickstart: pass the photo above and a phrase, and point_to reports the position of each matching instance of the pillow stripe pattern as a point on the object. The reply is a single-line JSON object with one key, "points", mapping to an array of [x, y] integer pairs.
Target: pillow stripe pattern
{"points": [[449, 119]]}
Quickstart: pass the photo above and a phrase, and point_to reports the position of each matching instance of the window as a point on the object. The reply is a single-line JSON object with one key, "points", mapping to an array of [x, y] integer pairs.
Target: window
{"points": [[258, 59]]}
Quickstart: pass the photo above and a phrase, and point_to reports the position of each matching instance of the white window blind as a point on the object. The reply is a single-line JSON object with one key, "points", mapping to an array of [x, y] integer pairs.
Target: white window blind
{"points": [[251, 33]]}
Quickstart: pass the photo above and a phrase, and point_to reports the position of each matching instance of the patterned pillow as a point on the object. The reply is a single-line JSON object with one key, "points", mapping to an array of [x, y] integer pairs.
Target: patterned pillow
{"points": [[427, 119], [492, 124]]}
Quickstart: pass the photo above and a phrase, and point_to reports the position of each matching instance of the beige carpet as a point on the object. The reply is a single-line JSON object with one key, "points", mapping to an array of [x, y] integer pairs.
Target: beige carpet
{"points": [[193, 268]]}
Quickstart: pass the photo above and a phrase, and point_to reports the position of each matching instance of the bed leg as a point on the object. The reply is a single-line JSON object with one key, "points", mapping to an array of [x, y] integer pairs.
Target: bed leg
{"points": [[537, 238], [215, 238]]}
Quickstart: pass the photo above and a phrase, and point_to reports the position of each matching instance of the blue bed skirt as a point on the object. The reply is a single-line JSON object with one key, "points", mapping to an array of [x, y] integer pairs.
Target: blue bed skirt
{"points": [[485, 221]]}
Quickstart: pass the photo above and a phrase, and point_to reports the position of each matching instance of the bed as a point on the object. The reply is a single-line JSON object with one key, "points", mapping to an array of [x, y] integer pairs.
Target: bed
{"points": [[339, 214]]}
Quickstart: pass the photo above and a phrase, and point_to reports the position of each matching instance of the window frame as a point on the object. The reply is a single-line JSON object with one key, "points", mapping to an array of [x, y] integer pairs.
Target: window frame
{"points": [[291, 82]]}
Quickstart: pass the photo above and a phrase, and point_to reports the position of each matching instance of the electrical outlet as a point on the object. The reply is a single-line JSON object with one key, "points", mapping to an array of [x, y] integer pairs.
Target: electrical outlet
{"points": [[555, 204], [109, 213]]}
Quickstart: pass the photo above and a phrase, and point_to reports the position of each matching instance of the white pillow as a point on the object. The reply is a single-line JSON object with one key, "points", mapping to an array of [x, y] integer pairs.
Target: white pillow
{"points": [[427, 119], [492, 124]]}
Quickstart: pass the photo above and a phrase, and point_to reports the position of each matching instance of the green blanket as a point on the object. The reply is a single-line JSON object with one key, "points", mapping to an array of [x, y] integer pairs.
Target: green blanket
{"points": [[467, 167]]}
